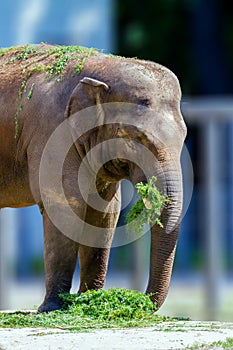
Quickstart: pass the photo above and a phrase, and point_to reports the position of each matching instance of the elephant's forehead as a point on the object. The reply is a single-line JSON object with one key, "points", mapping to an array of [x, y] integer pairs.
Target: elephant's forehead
{"points": [[143, 77], [161, 78], [152, 81]]}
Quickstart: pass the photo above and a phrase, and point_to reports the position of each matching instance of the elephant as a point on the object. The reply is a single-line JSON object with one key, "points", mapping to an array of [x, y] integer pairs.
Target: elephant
{"points": [[127, 112]]}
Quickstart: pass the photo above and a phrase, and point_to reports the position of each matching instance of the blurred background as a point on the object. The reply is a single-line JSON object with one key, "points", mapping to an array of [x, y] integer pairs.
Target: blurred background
{"points": [[194, 38]]}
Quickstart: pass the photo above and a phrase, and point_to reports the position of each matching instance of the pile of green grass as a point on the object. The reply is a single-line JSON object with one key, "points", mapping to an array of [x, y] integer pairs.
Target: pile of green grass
{"points": [[114, 308]]}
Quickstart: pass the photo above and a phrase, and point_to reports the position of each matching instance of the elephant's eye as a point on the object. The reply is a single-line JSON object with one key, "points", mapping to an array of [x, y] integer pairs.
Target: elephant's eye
{"points": [[144, 103], [142, 106]]}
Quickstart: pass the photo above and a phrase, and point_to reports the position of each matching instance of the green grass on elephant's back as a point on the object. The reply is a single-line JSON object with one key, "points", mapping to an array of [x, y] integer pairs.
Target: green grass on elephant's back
{"points": [[114, 308]]}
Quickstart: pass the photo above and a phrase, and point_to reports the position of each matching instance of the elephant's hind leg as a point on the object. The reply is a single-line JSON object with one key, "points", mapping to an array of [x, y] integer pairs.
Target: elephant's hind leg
{"points": [[60, 255]]}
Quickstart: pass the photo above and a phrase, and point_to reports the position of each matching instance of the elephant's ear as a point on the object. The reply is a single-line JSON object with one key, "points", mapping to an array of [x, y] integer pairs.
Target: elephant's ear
{"points": [[89, 92]]}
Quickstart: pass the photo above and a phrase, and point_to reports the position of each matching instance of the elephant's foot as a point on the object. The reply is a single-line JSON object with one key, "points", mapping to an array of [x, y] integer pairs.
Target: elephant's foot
{"points": [[50, 304]]}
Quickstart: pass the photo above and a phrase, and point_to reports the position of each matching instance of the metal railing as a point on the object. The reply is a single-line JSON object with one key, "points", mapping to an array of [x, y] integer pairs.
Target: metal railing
{"points": [[208, 113]]}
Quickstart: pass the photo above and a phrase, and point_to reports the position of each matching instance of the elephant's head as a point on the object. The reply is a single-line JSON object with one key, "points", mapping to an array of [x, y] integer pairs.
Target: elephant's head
{"points": [[136, 108]]}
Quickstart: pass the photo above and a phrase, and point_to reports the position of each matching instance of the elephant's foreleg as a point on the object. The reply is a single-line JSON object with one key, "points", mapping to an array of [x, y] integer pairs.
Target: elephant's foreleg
{"points": [[60, 256], [93, 267], [94, 260]]}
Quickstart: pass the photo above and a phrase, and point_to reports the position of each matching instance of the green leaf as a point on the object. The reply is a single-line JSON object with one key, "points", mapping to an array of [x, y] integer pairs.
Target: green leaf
{"points": [[148, 208]]}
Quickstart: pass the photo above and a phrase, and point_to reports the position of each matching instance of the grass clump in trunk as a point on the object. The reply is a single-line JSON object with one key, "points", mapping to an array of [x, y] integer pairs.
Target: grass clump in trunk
{"points": [[148, 208], [114, 308]]}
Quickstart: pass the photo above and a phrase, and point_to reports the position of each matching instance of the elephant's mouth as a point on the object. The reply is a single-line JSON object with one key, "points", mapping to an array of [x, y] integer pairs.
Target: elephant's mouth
{"points": [[115, 170]]}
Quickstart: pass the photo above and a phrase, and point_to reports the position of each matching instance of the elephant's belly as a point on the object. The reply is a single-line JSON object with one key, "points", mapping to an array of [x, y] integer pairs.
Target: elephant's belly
{"points": [[16, 197], [14, 190]]}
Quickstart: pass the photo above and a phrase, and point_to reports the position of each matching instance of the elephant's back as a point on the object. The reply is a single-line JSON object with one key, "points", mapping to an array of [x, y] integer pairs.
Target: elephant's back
{"points": [[19, 63]]}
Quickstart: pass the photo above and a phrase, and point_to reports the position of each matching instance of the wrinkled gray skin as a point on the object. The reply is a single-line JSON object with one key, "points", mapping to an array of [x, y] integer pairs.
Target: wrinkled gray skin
{"points": [[156, 92]]}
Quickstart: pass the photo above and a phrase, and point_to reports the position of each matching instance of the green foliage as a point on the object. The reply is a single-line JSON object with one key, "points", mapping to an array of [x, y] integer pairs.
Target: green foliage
{"points": [[114, 308], [29, 95], [25, 52], [148, 207], [52, 61], [114, 304], [227, 344]]}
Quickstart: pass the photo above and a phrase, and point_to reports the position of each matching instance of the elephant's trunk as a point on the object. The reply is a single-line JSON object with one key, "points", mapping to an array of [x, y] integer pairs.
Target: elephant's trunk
{"points": [[164, 240]]}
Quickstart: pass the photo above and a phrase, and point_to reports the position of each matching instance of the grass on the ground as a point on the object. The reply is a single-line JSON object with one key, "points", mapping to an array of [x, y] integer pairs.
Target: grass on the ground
{"points": [[114, 308], [227, 344]]}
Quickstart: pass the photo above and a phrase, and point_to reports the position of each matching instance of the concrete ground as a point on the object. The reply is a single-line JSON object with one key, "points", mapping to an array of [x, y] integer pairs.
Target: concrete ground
{"points": [[178, 335]]}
